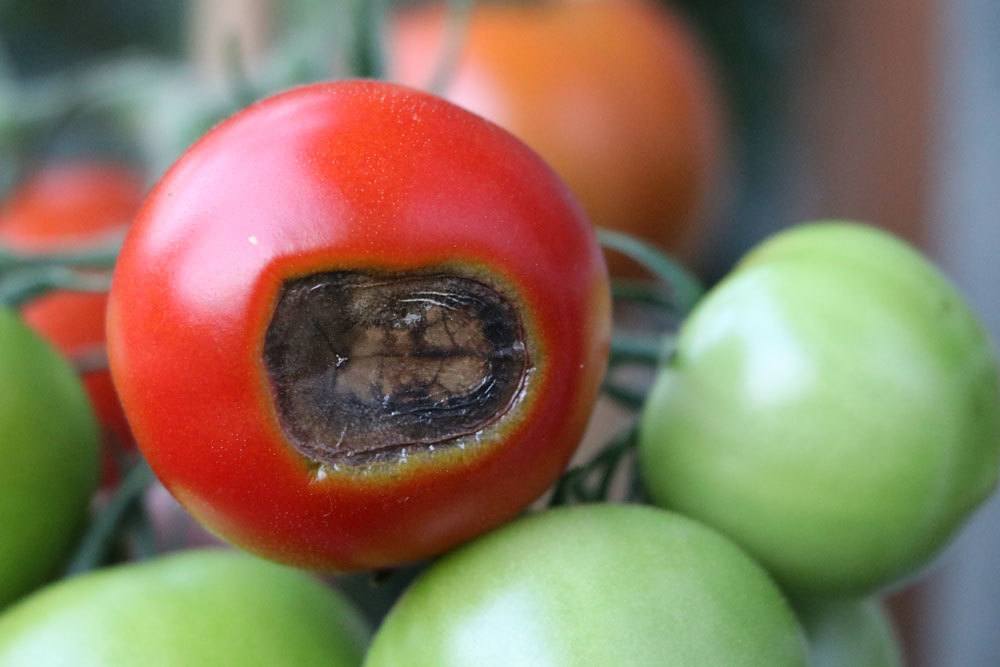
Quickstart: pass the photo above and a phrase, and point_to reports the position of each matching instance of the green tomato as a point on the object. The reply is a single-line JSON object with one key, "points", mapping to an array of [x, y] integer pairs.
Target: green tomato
{"points": [[208, 607], [832, 406], [48, 458], [849, 634], [622, 585]]}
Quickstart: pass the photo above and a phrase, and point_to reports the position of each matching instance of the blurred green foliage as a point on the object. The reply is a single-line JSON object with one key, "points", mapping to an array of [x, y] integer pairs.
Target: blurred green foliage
{"points": [[45, 36], [124, 59]]}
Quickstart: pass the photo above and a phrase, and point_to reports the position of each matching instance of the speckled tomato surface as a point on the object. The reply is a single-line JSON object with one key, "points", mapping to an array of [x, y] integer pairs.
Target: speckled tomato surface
{"points": [[356, 325]]}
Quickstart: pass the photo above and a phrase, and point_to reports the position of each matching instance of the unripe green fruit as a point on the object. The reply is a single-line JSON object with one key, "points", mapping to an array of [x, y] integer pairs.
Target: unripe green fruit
{"points": [[48, 458], [195, 608], [622, 585], [832, 406]]}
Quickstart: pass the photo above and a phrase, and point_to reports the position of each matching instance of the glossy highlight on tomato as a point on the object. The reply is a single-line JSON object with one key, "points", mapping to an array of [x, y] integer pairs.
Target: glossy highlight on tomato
{"points": [[619, 96], [356, 325], [67, 207]]}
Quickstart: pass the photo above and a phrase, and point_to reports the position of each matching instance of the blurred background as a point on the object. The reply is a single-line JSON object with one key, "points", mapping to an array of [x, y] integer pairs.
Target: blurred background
{"points": [[886, 112]]}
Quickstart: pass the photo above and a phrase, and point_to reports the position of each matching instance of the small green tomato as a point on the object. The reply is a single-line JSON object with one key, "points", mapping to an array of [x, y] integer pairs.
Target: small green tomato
{"points": [[832, 406], [207, 607], [849, 634], [48, 458], [621, 585]]}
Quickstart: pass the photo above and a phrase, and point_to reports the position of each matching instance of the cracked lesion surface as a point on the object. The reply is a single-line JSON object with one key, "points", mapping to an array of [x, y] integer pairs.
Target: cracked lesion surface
{"points": [[365, 365]]}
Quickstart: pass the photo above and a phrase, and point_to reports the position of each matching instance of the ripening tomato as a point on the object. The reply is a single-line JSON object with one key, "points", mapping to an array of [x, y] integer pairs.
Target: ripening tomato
{"points": [[208, 607], [623, 585], [356, 325], [66, 207], [849, 633], [617, 95], [833, 406], [49, 455]]}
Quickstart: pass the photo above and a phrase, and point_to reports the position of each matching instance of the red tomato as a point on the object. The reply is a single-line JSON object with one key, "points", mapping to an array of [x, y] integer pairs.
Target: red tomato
{"points": [[69, 205], [356, 325], [64, 207], [617, 95]]}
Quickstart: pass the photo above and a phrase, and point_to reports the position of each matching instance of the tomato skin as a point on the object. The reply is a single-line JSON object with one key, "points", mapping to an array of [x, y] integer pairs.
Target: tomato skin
{"points": [[68, 205], [618, 96], [833, 406], [64, 207], [592, 585], [48, 448], [340, 176], [849, 633], [208, 607]]}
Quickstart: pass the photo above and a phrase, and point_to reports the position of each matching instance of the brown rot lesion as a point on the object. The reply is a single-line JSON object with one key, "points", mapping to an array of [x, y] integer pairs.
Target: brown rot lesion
{"points": [[367, 366]]}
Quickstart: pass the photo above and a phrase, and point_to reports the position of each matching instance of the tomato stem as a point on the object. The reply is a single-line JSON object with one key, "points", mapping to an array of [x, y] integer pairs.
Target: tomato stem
{"points": [[456, 29], [23, 286], [368, 54], [576, 484], [636, 349], [629, 398], [685, 288], [104, 529], [644, 292], [94, 257]]}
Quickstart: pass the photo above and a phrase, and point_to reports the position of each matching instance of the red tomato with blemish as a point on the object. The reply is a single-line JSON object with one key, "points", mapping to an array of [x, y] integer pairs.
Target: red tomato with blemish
{"points": [[67, 207], [355, 326], [619, 96]]}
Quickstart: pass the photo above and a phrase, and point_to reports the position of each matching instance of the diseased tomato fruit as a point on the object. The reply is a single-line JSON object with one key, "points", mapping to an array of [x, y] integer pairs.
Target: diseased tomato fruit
{"points": [[67, 207], [49, 454], [617, 95], [849, 633], [832, 406], [207, 607], [356, 325], [592, 585]]}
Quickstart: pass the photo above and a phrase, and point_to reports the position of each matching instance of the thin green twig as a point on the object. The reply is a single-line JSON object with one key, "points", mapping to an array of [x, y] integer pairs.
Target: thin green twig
{"points": [[575, 484], [104, 529], [21, 287], [636, 349], [101, 256], [629, 398], [456, 29], [368, 57], [685, 288], [140, 529], [640, 291], [242, 90]]}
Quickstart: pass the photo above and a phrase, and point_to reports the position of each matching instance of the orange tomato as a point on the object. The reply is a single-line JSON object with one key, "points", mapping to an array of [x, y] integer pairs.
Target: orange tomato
{"points": [[61, 208], [618, 96]]}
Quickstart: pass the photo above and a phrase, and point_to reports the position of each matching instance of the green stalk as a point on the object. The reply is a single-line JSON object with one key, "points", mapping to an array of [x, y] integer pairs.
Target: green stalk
{"points": [[23, 286], [95, 257], [368, 57], [684, 287], [104, 530], [635, 349], [459, 13]]}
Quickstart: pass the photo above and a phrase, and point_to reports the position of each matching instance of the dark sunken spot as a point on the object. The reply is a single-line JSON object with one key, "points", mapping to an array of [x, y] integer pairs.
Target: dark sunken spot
{"points": [[364, 365]]}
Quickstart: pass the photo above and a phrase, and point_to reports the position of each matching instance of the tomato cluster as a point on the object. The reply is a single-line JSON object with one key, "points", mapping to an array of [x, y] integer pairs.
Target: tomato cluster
{"points": [[356, 327]]}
